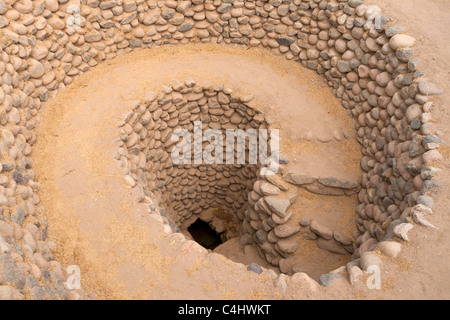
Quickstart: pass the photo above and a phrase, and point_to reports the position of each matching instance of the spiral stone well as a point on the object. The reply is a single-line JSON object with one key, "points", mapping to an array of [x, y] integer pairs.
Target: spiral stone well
{"points": [[366, 62]]}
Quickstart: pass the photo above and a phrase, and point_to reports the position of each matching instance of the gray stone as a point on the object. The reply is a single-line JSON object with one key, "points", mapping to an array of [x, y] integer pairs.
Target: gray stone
{"points": [[327, 279], [285, 41], [36, 69], [390, 248], [224, 8], [3, 7], [254, 267], [344, 66], [3, 200], [336, 183], [10, 272], [299, 179]]}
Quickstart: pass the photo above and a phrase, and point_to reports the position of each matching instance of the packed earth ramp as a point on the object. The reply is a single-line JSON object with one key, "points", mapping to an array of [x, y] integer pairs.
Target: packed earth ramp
{"points": [[94, 207]]}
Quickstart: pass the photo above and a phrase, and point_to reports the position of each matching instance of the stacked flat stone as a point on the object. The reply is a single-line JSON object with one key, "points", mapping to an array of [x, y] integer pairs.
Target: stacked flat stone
{"points": [[186, 190]]}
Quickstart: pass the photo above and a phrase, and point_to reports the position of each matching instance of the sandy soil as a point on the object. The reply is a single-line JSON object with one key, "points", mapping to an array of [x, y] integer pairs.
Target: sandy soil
{"points": [[116, 248]]}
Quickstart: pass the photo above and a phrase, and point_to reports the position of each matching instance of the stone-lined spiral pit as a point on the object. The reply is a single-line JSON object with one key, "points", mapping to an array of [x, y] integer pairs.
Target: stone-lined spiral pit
{"points": [[216, 190], [367, 63]]}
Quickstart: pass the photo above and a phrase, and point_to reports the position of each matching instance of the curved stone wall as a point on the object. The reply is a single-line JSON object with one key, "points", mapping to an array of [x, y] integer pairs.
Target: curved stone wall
{"points": [[368, 63]]}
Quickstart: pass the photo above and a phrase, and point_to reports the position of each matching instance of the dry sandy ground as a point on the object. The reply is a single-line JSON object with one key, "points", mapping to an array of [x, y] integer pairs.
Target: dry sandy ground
{"points": [[116, 255]]}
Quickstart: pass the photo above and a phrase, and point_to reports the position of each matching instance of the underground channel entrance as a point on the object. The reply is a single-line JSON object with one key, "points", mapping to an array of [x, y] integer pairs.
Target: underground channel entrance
{"points": [[204, 235], [237, 209]]}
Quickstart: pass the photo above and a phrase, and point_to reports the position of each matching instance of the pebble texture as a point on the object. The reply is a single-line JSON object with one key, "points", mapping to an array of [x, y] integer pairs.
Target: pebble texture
{"points": [[44, 47]]}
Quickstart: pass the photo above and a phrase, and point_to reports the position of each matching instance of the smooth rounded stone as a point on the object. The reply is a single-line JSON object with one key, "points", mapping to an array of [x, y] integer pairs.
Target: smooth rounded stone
{"points": [[390, 248], [278, 182], [269, 189], [254, 267], [363, 71], [431, 156], [326, 279], [429, 89], [10, 293], [354, 275], [287, 245], [416, 124], [39, 52], [36, 69], [368, 245], [6, 230], [369, 259], [343, 66], [321, 230], [280, 282], [331, 246], [401, 41], [3, 22], [284, 231], [426, 201], [413, 112], [285, 266], [404, 55], [305, 282], [401, 230], [304, 222], [52, 5], [4, 246], [3, 7]]}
